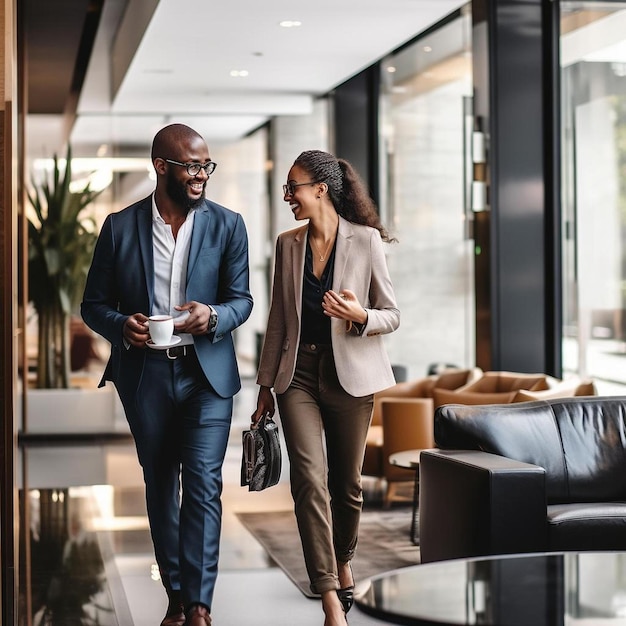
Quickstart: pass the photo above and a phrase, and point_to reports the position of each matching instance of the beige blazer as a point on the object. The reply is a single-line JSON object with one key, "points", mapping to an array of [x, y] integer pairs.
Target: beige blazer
{"points": [[361, 360]]}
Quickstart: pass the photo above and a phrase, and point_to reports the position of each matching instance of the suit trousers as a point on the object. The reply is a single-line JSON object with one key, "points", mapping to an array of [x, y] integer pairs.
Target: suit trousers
{"points": [[325, 430], [181, 427]]}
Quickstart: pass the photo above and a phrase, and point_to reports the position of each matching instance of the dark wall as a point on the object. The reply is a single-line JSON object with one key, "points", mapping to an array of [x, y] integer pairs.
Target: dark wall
{"points": [[515, 90], [356, 124]]}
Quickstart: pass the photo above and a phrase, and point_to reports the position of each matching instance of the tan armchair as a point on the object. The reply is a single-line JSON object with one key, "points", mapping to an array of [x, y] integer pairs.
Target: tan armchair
{"points": [[408, 424], [570, 388], [419, 391], [505, 387]]}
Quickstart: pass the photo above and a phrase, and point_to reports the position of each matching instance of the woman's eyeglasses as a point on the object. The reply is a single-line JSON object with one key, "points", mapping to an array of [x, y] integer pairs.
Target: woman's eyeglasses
{"points": [[194, 168], [290, 187]]}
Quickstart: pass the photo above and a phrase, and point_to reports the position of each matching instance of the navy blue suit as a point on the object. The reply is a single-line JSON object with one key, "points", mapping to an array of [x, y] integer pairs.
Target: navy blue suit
{"points": [[179, 411]]}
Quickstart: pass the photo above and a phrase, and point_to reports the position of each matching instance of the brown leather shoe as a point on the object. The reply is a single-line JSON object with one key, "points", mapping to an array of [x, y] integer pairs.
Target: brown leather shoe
{"points": [[198, 615], [175, 614]]}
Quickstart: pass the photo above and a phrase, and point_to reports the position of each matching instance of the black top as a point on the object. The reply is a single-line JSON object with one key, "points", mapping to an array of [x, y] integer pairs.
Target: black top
{"points": [[315, 324]]}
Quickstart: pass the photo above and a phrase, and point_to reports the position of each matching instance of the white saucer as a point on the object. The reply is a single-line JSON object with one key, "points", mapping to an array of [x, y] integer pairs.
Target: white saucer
{"points": [[173, 341]]}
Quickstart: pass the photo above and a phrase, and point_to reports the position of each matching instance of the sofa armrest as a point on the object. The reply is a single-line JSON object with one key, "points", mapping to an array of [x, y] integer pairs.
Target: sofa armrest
{"points": [[472, 503]]}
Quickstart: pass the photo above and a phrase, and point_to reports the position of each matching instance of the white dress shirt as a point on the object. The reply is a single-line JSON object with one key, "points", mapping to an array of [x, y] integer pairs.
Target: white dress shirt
{"points": [[170, 266]]}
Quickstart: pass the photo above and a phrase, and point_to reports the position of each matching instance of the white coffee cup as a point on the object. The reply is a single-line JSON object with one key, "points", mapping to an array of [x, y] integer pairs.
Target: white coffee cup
{"points": [[161, 329]]}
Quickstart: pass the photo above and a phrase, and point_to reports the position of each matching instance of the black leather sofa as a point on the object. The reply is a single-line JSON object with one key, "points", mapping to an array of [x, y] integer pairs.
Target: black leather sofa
{"points": [[530, 477]]}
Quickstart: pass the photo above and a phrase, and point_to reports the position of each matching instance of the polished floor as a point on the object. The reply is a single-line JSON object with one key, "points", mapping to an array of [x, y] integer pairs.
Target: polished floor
{"points": [[88, 554]]}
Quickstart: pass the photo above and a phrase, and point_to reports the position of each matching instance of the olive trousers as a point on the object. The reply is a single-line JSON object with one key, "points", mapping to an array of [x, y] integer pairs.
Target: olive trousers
{"points": [[325, 430]]}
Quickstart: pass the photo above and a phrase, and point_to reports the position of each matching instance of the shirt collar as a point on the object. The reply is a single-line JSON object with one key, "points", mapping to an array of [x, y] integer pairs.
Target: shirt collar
{"points": [[156, 216]]}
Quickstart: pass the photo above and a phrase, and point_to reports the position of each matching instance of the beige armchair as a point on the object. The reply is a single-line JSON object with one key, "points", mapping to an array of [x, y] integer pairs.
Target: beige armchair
{"points": [[500, 387], [570, 388], [420, 393], [408, 424]]}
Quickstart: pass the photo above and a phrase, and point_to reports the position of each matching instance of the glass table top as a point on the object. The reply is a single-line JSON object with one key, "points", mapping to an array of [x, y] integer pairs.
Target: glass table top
{"points": [[558, 589]]}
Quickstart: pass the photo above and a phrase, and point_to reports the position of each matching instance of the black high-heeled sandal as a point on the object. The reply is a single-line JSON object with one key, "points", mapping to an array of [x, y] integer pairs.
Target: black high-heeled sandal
{"points": [[346, 595]]}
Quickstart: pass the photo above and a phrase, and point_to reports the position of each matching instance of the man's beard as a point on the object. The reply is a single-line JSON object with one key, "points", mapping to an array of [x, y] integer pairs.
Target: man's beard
{"points": [[177, 191]]}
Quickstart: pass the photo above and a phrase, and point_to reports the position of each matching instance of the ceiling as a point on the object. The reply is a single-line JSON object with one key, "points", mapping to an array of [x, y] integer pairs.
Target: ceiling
{"points": [[151, 62]]}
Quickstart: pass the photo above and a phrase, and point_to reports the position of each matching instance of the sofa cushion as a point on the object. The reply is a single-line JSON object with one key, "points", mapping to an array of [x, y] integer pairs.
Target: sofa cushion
{"points": [[420, 388], [525, 432], [593, 440], [580, 442], [453, 379], [423, 387], [563, 389], [447, 396], [498, 382], [586, 388], [587, 526]]}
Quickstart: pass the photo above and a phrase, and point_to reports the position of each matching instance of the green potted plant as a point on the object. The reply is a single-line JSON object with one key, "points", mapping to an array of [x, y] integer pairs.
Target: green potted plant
{"points": [[61, 239]]}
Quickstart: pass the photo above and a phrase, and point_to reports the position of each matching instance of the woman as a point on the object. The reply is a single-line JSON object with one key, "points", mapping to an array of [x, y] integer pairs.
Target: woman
{"points": [[324, 357]]}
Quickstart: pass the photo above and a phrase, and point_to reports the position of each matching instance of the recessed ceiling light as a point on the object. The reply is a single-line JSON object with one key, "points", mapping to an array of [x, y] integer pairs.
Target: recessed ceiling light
{"points": [[239, 73], [391, 69], [290, 23], [427, 49]]}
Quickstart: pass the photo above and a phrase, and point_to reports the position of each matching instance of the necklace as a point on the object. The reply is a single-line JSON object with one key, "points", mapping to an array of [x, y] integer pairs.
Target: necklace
{"points": [[323, 256]]}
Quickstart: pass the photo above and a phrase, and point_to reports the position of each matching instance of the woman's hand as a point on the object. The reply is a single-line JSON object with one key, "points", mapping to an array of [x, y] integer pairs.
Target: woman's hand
{"points": [[344, 306], [264, 404]]}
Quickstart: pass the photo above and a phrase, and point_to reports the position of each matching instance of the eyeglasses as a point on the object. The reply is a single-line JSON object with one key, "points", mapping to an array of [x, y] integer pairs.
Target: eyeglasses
{"points": [[290, 187], [194, 168]]}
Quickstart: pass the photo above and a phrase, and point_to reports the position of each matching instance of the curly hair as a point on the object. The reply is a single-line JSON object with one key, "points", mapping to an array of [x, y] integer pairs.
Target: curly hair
{"points": [[346, 189]]}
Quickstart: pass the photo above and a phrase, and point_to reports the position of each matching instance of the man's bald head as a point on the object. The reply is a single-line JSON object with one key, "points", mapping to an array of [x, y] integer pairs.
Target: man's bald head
{"points": [[169, 139]]}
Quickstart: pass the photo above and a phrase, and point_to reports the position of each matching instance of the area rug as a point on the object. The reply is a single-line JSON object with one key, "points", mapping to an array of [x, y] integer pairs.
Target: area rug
{"points": [[384, 543]]}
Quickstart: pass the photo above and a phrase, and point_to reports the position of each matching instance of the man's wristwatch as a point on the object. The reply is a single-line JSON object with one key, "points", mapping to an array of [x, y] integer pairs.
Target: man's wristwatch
{"points": [[212, 319]]}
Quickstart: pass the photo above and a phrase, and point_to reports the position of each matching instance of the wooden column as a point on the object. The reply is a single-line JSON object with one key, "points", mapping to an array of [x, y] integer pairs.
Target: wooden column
{"points": [[8, 316]]}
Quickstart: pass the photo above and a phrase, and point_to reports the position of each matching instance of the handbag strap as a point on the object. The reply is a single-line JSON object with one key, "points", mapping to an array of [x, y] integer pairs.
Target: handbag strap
{"points": [[262, 422]]}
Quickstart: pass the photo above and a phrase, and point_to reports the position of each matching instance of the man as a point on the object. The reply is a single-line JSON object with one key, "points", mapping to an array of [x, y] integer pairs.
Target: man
{"points": [[175, 253]]}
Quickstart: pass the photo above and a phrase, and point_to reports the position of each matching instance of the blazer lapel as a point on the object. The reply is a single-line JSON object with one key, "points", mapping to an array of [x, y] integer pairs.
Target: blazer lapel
{"points": [[297, 262], [144, 228], [201, 222]]}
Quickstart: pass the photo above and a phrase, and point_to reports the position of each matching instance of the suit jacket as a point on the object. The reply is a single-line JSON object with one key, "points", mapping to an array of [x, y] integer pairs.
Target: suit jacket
{"points": [[361, 360], [121, 282]]}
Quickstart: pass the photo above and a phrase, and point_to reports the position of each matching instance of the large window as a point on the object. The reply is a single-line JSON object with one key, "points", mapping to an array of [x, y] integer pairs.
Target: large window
{"points": [[593, 80], [426, 110]]}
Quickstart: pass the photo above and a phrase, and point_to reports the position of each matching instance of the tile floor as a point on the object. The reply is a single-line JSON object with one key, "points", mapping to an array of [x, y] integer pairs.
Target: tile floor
{"points": [[99, 487]]}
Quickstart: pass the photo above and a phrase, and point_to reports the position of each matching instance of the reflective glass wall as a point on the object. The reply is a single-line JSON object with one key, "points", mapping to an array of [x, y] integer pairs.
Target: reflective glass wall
{"points": [[242, 185], [426, 105], [593, 114]]}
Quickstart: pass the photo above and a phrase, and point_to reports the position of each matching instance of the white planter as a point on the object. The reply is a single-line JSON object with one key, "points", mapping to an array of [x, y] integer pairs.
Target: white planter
{"points": [[74, 411]]}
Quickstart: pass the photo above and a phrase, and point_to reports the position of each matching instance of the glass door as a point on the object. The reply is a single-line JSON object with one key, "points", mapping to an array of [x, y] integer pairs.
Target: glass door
{"points": [[426, 106], [593, 114]]}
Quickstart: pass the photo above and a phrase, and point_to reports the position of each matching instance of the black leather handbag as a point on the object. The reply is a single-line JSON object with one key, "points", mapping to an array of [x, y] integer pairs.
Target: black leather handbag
{"points": [[261, 458]]}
